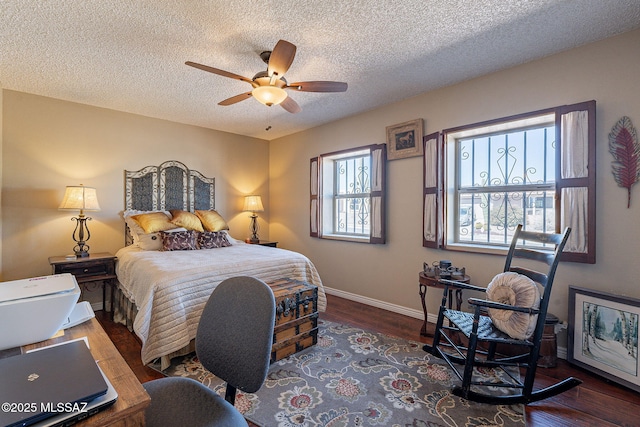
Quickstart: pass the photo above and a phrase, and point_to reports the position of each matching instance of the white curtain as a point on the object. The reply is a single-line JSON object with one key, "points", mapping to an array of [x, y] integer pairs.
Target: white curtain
{"points": [[574, 214], [575, 144], [314, 216], [313, 225], [575, 150], [376, 217], [376, 170], [431, 163], [314, 178], [430, 217], [376, 201]]}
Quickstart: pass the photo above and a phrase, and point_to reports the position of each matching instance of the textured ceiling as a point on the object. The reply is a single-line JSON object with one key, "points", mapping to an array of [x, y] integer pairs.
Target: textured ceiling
{"points": [[130, 55]]}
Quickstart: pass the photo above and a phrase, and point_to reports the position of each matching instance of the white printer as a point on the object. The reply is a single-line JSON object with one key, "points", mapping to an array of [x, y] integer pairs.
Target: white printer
{"points": [[33, 310]]}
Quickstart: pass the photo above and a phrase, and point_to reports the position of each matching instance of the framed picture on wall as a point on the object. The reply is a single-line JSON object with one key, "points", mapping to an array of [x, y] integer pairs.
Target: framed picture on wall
{"points": [[405, 140], [603, 335]]}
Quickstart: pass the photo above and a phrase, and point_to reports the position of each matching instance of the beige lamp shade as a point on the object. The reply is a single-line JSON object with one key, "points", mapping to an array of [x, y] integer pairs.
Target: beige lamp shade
{"points": [[253, 204], [79, 197]]}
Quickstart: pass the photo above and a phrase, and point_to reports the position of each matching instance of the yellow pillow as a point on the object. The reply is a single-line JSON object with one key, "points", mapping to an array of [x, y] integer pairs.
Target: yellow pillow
{"points": [[212, 221], [186, 220], [153, 222]]}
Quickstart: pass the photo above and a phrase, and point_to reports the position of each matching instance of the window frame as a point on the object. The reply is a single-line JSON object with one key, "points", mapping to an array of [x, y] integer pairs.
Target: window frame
{"points": [[377, 195], [438, 169], [528, 122]]}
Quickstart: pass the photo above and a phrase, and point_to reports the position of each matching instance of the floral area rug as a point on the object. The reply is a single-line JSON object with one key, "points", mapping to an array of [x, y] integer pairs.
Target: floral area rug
{"points": [[353, 377]]}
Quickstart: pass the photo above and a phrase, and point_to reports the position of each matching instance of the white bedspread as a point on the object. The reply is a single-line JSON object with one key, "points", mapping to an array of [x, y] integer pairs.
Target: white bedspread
{"points": [[170, 289]]}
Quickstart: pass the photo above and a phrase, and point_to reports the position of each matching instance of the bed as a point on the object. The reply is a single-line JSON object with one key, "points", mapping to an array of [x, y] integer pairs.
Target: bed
{"points": [[161, 292]]}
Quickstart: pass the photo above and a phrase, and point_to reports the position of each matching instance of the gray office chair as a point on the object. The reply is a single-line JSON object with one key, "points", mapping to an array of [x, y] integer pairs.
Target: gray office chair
{"points": [[233, 342]]}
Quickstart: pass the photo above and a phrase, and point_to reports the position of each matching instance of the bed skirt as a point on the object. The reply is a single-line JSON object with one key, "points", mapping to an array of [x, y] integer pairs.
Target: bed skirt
{"points": [[124, 313]]}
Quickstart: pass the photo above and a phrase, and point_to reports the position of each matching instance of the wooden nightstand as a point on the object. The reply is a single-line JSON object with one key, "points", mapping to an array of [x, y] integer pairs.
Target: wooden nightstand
{"points": [[99, 267], [267, 243]]}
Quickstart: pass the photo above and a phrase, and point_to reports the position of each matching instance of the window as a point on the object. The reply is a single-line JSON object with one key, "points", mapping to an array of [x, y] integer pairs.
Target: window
{"points": [[535, 169], [503, 176], [347, 195]]}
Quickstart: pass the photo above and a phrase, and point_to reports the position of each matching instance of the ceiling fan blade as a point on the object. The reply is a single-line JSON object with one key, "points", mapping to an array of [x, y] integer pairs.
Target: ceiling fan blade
{"points": [[290, 105], [319, 86], [235, 99], [219, 72], [281, 58]]}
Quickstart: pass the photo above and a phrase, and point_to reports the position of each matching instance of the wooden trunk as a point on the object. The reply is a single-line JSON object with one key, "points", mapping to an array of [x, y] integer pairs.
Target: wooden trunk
{"points": [[296, 326]]}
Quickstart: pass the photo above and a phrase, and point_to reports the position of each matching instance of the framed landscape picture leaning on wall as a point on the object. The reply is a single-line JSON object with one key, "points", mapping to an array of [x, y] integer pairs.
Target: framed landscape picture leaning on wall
{"points": [[404, 140], [603, 335]]}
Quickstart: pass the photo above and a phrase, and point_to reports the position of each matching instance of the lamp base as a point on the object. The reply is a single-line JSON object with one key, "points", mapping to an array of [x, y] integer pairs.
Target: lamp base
{"points": [[81, 249], [82, 254], [254, 230]]}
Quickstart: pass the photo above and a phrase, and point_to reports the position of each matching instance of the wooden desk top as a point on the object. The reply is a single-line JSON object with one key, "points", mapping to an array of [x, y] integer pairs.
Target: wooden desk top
{"points": [[132, 398]]}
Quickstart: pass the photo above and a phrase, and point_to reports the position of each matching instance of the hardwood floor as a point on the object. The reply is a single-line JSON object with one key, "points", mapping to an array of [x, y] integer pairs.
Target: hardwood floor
{"points": [[596, 402]]}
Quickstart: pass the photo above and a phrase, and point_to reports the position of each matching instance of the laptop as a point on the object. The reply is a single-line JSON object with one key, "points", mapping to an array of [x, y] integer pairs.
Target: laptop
{"points": [[49, 382], [67, 419]]}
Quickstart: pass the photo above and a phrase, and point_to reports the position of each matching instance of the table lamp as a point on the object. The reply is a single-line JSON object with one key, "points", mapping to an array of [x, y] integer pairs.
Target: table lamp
{"points": [[253, 204], [79, 197]]}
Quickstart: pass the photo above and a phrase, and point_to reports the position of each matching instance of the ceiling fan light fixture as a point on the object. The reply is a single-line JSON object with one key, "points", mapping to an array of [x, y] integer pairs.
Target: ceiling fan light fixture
{"points": [[268, 85], [269, 95]]}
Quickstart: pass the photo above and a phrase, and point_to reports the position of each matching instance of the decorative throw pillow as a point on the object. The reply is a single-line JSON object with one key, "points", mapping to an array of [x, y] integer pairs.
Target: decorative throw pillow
{"points": [[154, 222], [135, 229], [153, 241], [178, 240], [186, 220], [150, 242], [517, 290], [212, 239], [212, 221]]}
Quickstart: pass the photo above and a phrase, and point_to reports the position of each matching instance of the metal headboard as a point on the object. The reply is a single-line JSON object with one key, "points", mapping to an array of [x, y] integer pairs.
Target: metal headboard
{"points": [[169, 186]]}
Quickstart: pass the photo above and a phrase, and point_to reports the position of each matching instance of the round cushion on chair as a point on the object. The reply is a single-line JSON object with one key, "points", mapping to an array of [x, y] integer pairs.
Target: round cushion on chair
{"points": [[517, 290]]}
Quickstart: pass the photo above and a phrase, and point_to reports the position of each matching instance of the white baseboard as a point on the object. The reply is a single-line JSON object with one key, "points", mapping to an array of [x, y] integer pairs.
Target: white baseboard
{"points": [[417, 314], [376, 303]]}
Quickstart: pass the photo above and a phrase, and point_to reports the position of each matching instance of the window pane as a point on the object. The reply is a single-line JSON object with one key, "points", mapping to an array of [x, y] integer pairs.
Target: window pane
{"points": [[504, 178], [352, 185], [514, 158], [492, 217], [352, 175], [352, 216]]}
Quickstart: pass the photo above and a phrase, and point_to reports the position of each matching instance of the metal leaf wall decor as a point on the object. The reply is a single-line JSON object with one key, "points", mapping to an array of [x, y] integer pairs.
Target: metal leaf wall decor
{"points": [[624, 146]]}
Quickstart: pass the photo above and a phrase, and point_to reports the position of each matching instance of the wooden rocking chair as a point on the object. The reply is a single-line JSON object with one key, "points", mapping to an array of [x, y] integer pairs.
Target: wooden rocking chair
{"points": [[482, 335]]}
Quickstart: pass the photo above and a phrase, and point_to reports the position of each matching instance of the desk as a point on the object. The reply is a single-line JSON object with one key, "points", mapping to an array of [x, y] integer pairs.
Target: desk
{"points": [[434, 281], [132, 400]]}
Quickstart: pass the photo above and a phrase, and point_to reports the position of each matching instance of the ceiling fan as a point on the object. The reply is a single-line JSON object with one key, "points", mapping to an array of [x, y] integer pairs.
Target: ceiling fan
{"points": [[269, 86]]}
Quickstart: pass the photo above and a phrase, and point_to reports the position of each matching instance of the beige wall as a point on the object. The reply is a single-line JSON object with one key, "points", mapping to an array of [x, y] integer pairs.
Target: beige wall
{"points": [[49, 144], [606, 71]]}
